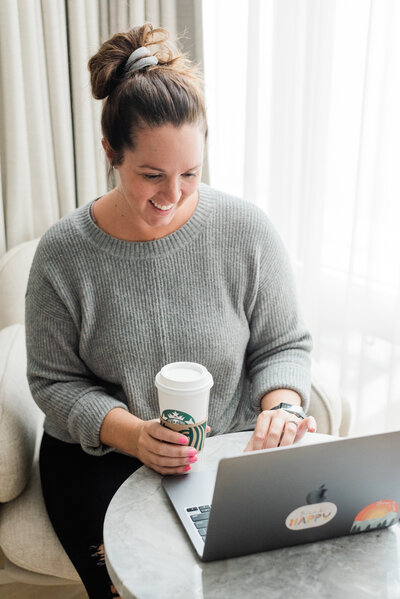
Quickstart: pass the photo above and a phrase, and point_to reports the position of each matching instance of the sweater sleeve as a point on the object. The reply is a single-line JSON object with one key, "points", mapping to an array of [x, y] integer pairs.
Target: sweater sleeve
{"points": [[278, 352], [61, 384]]}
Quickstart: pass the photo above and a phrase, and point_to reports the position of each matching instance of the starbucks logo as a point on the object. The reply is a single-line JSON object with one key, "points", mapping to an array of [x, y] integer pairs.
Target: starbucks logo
{"points": [[185, 425], [177, 417]]}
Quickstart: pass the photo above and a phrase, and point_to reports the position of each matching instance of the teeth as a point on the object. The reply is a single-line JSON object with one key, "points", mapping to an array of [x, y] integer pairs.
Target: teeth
{"points": [[161, 207]]}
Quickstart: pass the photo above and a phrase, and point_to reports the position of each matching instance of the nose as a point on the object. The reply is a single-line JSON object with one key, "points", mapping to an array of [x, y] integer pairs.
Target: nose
{"points": [[172, 190]]}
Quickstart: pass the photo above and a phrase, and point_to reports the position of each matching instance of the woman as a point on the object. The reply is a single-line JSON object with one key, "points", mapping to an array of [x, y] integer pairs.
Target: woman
{"points": [[160, 269]]}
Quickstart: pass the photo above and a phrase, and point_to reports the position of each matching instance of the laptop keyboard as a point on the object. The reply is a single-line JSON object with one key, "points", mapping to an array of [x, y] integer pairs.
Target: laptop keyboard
{"points": [[199, 516]]}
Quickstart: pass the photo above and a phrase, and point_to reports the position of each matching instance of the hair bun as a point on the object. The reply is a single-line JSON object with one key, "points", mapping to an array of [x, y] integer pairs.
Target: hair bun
{"points": [[107, 66]]}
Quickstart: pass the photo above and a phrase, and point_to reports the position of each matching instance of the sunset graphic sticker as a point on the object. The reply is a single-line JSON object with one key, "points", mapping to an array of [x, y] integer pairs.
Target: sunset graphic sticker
{"points": [[376, 515]]}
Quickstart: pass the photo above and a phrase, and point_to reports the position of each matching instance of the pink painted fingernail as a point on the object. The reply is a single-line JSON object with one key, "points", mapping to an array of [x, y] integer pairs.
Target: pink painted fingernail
{"points": [[192, 452], [186, 468], [183, 440], [193, 459], [311, 429]]}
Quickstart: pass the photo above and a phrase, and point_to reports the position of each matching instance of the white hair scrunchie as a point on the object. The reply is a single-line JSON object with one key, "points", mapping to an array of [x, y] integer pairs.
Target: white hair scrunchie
{"points": [[140, 59]]}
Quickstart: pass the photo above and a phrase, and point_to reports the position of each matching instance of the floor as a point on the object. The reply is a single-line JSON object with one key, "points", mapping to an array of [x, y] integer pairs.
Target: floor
{"points": [[27, 591]]}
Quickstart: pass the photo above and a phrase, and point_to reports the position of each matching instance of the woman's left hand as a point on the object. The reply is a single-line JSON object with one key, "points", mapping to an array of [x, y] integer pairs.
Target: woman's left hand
{"points": [[279, 428]]}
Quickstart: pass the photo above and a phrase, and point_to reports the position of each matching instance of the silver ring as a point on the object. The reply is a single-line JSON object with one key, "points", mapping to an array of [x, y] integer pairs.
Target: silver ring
{"points": [[296, 422]]}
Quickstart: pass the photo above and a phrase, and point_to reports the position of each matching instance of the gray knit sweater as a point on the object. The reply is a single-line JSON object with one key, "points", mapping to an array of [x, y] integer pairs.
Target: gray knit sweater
{"points": [[104, 315]]}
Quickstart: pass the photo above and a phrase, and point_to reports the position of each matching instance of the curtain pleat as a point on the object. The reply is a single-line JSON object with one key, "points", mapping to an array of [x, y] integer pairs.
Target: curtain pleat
{"points": [[152, 12], [39, 135], [389, 163], [254, 101], [51, 157], [104, 20], [83, 38], [2, 220], [15, 160], [349, 336], [189, 26], [137, 14], [56, 49], [168, 17], [118, 16]]}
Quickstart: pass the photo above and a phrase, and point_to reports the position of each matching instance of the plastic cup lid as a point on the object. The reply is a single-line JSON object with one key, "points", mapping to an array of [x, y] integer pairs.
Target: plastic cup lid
{"points": [[184, 376]]}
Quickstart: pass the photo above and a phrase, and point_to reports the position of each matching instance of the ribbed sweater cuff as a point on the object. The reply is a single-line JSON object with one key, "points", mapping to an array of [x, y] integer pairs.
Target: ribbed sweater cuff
{"points": [[86, 418], [281, 376]]}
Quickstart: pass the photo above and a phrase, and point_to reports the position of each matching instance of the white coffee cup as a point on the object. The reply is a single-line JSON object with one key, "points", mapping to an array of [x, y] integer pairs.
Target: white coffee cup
{"points": [[183, 395]]}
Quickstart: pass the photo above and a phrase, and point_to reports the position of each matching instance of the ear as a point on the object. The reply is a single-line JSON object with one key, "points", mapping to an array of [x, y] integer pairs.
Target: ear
{"points": [[108, 150]]}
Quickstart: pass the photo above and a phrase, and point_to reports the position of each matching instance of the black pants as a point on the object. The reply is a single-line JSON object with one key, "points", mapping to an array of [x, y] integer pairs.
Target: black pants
{"points": [[77, 488]]}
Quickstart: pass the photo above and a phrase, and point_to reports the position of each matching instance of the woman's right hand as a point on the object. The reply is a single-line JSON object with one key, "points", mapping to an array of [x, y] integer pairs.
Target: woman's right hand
{"points": [[156, 446], [163, 450]]}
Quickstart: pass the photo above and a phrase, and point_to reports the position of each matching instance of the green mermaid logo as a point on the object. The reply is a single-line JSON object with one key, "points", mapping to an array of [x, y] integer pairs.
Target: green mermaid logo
{"points": [[177, 417], [185, 424]]}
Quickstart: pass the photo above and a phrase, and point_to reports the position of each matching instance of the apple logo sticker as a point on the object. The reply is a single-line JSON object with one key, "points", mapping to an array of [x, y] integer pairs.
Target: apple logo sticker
{"points": [[318, 495], [317, 512]]}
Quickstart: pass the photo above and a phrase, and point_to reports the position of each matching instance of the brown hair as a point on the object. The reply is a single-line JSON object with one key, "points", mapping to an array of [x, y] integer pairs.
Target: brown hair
{"points": [[167, 93]]}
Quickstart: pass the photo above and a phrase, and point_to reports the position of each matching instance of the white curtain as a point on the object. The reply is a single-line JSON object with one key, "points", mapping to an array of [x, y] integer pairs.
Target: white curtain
{"points": [[51, 159], [303, 100], [34, 191]]}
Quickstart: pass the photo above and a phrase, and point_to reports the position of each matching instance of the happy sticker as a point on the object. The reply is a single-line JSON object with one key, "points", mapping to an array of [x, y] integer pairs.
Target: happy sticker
{"points": [[311, 516]]}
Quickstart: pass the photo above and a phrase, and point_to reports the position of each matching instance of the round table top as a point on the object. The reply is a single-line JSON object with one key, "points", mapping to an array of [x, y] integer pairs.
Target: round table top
{"points": [[148, 554]]}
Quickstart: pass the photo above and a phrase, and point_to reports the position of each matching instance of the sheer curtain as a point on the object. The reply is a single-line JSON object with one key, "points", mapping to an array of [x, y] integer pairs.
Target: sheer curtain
{"points": [[51, 159], [303, 100]]}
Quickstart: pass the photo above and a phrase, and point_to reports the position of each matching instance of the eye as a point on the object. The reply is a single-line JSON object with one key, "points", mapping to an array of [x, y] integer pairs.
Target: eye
{"points": [[190, 174], [151, 177]]}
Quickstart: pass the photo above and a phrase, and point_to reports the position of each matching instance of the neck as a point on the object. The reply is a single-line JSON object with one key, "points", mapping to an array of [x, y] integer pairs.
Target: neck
{"points": [[113, 215]]}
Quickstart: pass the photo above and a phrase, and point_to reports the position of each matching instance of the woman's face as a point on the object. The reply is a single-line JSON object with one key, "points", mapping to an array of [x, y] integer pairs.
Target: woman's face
{"points": [[159, 179]]}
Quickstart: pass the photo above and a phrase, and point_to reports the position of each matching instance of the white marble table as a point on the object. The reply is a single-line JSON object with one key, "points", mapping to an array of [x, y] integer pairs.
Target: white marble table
{"points": [[149, 556]]}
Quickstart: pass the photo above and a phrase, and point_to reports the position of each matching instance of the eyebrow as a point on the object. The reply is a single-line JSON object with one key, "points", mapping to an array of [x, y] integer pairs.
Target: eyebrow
{"points": [[155, 168]]}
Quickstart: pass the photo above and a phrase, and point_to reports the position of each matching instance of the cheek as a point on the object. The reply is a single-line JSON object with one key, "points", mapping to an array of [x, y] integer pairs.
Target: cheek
{"points": [[145, 190], [134, 185], [191, 185], [141, 190]]}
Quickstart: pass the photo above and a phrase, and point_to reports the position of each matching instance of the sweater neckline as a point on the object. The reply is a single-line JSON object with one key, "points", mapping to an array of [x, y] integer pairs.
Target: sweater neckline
{"points": [[145, 249]]}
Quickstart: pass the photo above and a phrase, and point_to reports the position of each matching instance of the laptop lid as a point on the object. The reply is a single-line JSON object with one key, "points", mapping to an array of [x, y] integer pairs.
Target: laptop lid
{"points": [[291, 495]]}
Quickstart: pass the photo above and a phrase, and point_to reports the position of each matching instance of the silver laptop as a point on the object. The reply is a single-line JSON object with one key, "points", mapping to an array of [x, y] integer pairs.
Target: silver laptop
{"points": [[289, 495]]}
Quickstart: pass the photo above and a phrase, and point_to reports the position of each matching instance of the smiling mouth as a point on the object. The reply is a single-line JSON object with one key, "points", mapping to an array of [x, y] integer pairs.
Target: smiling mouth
{"points": [[161, 207]]}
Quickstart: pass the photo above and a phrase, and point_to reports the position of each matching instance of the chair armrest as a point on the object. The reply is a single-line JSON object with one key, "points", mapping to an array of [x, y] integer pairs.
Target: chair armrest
{"points": [[20, 418], [331, 411], [14, 271]]}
